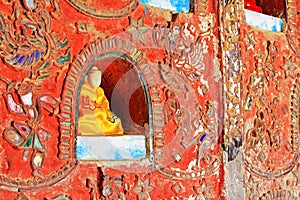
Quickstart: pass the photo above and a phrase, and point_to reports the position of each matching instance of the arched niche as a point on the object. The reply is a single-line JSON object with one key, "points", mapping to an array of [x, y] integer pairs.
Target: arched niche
{"points": [[126, 91]]}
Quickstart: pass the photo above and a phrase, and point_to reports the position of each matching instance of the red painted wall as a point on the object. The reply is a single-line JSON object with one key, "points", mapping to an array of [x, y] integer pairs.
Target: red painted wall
{"points": [[181, 79]]}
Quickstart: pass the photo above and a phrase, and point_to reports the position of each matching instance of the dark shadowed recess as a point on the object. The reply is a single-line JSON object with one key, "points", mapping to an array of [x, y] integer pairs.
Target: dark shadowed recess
{"points": [[274, 8], [125, 92]]}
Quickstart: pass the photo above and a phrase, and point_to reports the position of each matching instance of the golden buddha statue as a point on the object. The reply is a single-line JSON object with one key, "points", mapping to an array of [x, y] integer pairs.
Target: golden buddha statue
{"points": [[95, 117]]}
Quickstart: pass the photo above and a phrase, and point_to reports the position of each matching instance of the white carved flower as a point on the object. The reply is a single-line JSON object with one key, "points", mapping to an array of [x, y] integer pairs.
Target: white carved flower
{"points": [[143, 189], [289, 67]]}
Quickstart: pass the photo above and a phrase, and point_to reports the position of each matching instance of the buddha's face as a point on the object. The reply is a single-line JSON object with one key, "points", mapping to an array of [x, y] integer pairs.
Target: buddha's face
{"points": [[94, 79]]}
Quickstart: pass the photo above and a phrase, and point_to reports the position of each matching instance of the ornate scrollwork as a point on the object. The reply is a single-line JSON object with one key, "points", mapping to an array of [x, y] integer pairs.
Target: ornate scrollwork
{"points": [[270, 148], [293, 22], [28, 45], [93, 9]]}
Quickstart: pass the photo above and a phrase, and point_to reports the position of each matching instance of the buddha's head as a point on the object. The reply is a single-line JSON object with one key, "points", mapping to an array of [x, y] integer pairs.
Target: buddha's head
{"points": [[94, 77]]}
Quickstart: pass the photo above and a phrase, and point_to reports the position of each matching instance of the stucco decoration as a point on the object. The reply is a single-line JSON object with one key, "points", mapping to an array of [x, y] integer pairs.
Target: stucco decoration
{"points": [[105, 9], [270, 106], [293, 22], [37, 55]]}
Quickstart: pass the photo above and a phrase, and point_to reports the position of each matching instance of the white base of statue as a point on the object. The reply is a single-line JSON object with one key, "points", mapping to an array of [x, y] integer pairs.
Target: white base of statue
{"points": [[125, 147], [263, 21]]}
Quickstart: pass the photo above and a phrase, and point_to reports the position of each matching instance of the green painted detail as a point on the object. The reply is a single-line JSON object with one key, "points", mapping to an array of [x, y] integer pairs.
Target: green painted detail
{"points": [[43, 77], [249, 103], [33, 41], [1, 38], [37, 143], [28, 143], [225, 147], [63, 43], [64, 59], [47, 64], [2, 22]]}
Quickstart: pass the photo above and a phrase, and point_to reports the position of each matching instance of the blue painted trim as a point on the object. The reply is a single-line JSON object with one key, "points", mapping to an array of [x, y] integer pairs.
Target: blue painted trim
{"points": [[173, 5]]}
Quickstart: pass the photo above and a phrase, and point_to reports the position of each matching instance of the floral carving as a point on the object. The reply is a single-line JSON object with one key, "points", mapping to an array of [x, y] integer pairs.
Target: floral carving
{"points": [[143, 187], [289, 67], [137, 29]]}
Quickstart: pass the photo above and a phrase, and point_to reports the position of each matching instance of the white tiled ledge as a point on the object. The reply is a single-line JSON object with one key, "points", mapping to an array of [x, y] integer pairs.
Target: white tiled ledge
{"points": [[114, 148], [263, 21]]}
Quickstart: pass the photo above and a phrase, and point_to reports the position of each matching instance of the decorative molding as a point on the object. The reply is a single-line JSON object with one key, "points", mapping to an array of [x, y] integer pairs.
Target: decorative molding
{"points": [[92, 10], [293, 20]]}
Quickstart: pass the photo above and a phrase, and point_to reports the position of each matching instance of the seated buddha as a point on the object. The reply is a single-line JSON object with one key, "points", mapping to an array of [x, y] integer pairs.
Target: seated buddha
{"points": [[251, 5], [95, 117]]}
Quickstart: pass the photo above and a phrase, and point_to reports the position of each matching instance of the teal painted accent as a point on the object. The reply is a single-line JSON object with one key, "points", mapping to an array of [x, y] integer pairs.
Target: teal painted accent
{"points": [[81, 151], [62, 44], [43, 77], [3, 23], [117, 156], [33, 41], [46, 65], [63, 59], [136, 154], [37, 143], [28, 142]]}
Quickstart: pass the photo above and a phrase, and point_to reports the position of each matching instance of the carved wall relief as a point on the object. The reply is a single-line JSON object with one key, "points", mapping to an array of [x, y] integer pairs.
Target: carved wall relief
{"points": [[231, 13], [293, 20], [196, 111], [269, 112], [165, 84], [38, 55], [259, 76], [105, 9], [183, 128]]}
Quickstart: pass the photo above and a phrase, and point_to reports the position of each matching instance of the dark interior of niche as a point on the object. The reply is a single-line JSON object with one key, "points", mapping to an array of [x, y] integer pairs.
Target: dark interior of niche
{"points": [[274, 8], [192, 6], [126, 94]]}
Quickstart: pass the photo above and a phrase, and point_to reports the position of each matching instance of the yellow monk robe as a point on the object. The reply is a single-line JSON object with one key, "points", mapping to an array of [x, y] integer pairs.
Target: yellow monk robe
{"points": [[95, 117]]}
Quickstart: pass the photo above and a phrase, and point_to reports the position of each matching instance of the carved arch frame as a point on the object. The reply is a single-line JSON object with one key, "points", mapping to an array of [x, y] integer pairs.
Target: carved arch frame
{"points": [[114, 47]]}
